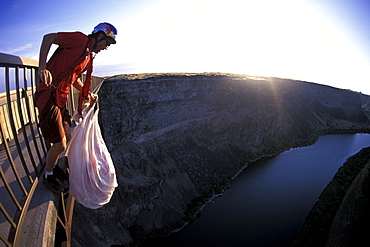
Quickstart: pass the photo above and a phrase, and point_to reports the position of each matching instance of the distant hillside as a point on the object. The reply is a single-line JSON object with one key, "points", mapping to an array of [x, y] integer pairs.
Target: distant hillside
{"points": [[365, 100], [177, 139]]}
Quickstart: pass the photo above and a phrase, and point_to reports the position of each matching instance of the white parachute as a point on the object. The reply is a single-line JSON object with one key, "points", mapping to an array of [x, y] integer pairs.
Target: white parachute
{"points": [[92, 177]]}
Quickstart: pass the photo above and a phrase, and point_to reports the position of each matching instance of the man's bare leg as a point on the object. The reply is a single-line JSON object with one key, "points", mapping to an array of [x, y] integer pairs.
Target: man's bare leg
{"points": [[56, 149], [67, 131], [51, 158], [54, 153]]}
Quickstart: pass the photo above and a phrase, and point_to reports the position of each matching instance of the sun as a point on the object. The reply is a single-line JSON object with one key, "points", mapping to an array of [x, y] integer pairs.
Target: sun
{"points": [[290, 39]]}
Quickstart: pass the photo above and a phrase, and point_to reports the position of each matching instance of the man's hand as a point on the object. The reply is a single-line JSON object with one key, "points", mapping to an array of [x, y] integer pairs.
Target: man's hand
{"points": [[46, 76], [47, 41], [92, 97]]}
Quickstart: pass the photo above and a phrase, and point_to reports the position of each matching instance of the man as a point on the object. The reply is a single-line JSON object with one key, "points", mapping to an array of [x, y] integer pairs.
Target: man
{"points": [[73, 56]]}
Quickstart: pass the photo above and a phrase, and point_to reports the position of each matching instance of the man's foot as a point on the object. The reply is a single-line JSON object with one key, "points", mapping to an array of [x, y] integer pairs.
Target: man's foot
{"points": [[59, 173], [53, 184]]}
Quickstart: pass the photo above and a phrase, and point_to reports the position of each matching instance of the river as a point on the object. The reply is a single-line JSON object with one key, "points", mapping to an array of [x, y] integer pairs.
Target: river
{"points": [[267, 203]]}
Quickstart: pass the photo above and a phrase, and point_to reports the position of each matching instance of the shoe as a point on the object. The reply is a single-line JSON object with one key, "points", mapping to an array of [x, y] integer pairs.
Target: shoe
{"points": [[53, 184], [59, 173]]}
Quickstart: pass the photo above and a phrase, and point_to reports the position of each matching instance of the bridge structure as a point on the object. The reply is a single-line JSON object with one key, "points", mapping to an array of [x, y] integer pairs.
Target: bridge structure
{"points": [[30, 214]]}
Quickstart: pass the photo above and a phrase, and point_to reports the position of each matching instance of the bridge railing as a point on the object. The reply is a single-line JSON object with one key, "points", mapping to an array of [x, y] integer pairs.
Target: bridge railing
{"points": [[23, 148]]}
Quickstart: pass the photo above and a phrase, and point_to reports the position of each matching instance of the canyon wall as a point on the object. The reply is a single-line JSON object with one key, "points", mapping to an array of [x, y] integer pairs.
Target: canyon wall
{"points": [[177, 137]]}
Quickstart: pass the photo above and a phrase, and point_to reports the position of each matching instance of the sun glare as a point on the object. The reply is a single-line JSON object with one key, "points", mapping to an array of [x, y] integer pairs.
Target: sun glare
{"points": [[290, 39]]}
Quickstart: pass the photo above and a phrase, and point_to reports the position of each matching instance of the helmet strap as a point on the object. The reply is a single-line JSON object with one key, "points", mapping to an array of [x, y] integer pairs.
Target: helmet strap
{"points": [[96, 42]]}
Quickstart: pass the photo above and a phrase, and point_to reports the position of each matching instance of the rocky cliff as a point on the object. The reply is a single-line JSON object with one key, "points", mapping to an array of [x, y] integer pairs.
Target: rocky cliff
{"points": [[177, 137]]}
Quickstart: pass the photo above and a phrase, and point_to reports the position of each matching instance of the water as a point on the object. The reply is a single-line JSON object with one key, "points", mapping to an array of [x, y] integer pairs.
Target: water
{"points": [[267, 203]]}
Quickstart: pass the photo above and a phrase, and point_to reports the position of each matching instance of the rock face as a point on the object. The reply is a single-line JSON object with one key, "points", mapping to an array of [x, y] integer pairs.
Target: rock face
{"points": [[174, 137]]}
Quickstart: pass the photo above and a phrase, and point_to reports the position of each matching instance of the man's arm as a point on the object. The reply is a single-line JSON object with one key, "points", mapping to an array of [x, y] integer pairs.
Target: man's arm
{"points": [[78, 84], [47, 41]]}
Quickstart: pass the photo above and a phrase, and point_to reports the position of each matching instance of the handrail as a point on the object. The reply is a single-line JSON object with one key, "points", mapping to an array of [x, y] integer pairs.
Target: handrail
{"points": [[15, 60], [16, 113], [23, 148]]}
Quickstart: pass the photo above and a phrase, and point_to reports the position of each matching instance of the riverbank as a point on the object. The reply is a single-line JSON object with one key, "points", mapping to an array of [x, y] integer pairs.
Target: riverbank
{"points": [[268, 202], [341, 215]]}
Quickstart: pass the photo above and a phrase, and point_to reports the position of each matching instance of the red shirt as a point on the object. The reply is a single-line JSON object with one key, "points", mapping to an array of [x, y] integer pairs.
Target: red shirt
{"points": [[72, 45]]}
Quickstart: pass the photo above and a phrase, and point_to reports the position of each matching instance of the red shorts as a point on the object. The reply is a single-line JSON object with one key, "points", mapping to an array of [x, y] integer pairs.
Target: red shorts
{"points": [[52, 121]]}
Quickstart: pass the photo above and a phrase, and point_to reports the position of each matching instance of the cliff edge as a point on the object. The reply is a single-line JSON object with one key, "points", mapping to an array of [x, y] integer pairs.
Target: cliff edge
{"points": [[177, 139]]}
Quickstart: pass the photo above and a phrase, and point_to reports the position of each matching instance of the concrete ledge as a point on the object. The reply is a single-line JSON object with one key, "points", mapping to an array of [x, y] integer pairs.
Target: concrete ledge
{"points": [[40, 223], [39, 226]]}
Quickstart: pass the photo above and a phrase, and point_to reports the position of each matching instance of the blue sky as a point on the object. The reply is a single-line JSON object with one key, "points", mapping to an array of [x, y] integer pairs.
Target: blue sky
{"points": [[322, 41]]}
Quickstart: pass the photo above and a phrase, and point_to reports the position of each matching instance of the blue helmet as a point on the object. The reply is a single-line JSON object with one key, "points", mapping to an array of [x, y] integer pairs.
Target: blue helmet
{"points": [[108, 29]]}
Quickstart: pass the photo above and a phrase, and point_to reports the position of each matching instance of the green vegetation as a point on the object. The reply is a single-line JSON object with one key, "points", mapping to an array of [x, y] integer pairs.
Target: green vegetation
{"points": [[318, 222]]}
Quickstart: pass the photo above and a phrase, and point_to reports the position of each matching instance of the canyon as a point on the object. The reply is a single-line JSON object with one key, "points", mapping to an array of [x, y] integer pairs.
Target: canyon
{"points": [[178, 139]]}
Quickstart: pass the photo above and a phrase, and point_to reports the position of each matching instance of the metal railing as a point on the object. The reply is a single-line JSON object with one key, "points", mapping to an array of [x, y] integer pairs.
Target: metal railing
{"points": [[23, 149]]}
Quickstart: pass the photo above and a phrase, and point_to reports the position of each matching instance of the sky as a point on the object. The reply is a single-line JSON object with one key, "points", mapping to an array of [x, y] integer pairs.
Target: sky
{"points": [[321, 41]]}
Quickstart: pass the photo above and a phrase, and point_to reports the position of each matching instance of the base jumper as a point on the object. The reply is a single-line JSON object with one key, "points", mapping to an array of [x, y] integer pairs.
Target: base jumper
{"points": [[73, 56]]}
